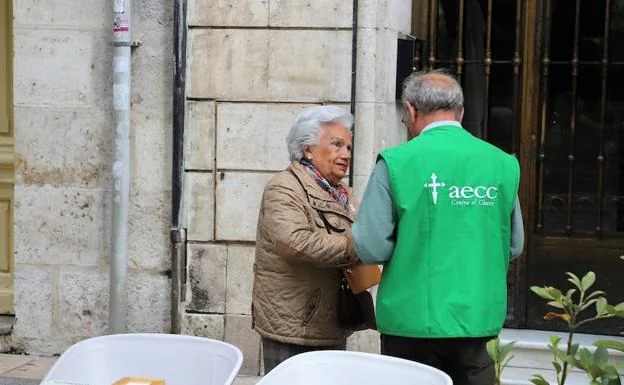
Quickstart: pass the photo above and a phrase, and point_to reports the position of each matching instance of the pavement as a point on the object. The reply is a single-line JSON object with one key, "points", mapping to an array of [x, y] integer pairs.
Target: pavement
{"points": [[19, 369]]}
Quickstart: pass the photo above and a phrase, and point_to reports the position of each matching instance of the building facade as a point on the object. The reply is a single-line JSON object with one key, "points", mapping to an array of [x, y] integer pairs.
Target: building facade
{"points": [[251, 66], [215, 87]]}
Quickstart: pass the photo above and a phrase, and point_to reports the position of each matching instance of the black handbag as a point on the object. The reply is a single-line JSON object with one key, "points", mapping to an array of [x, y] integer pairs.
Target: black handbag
{"points": [[355, 311]]}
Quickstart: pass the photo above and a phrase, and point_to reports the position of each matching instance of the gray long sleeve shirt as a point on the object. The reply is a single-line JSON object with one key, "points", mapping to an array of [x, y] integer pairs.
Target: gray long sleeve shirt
{"points": [[374, 227]]}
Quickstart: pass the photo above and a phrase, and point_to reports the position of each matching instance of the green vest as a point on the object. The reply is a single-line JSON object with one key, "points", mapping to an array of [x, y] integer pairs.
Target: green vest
{"points": [[453, 195]]}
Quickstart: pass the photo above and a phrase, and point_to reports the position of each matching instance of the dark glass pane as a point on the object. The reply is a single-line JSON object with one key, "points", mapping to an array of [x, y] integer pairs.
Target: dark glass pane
{"points": [[474, 49], [501, 108], [591, 32], [504, 29], [614, 153], [587, 139], [447, 33], [587, 147], [562, 30], [473, 53], [616, 39], [556, 146]]}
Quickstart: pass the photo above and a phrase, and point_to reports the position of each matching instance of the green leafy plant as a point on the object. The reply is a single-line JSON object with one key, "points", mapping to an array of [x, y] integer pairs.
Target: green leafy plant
{"points": [[498, 353], [571, 307], [596, 365]]}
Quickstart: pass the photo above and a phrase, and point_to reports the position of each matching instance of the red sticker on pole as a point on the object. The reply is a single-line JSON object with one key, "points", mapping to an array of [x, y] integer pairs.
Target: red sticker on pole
{"points": [[120, 24]]}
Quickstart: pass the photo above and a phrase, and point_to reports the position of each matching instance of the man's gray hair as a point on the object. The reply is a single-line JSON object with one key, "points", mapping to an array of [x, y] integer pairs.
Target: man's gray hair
{"points": [[307, 127], [430, 91]]}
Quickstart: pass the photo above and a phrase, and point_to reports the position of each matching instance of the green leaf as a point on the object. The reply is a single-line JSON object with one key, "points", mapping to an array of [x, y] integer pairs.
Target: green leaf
{"points": [[570, 359], [611, 374], [595, 294], [492, 348], [556, 304], [555, 293], [573, 349], [554, 341], [504, 365], [594, 371], [505, 349], [574, 279], [619, 307], [601, 357], [601, 306], [557, 367], [585, 357], [610, 344], [541, 292], [569, 294], [588, 280], [539, 380], [589, 303], [617, 313]]}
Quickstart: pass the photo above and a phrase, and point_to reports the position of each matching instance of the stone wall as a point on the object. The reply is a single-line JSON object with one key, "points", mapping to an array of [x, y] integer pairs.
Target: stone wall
{"points": [[63, 148], [252, 66]]}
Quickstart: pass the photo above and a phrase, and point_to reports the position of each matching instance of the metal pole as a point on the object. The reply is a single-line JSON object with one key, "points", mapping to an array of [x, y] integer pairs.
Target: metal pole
{"points": [[122, 42], [354, 53], [178, 235]]}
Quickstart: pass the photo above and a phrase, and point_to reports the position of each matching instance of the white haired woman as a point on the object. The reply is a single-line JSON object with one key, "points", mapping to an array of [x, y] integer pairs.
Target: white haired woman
{"points": [[303, 240]]}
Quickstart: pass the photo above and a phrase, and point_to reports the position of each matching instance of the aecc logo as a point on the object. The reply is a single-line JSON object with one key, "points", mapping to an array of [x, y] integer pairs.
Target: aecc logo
{"points": [[485, 195]]}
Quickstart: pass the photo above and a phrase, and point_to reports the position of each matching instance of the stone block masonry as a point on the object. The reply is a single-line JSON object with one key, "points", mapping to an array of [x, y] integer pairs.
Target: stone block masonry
{"points": [[63, 148], [252, 66]]}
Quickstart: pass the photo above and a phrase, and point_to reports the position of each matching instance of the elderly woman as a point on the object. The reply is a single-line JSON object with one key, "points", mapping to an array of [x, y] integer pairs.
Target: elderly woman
{"points": [[304, 240]]}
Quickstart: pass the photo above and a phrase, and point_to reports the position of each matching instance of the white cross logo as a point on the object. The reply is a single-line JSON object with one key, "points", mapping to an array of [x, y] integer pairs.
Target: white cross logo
{"points": [[434, 186]]}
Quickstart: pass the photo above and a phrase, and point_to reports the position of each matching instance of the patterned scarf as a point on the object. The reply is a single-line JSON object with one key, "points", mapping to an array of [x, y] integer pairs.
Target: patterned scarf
{"points": [[339, 193]]}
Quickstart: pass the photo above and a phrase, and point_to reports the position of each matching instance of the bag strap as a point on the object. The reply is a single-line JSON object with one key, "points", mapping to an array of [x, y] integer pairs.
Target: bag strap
{"points": [[328, 226]]}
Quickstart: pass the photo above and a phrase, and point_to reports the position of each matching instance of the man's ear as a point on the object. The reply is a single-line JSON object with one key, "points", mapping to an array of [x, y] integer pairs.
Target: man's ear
{"points": [[461, 116], [411, 110]]}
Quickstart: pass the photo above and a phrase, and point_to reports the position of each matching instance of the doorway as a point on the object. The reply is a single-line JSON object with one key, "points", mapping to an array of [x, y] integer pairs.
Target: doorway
{"points": [[542, 80], [7, 172]]}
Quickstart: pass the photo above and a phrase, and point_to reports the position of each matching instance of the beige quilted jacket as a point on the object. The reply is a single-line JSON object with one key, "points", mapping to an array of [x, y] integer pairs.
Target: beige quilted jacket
{"points": [[298, 264]]}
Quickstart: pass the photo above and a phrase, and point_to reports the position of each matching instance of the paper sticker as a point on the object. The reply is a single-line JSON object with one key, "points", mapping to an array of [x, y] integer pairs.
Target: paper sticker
{"points": [[118, 6], [121, 64], [121, 97], [120, 24]]}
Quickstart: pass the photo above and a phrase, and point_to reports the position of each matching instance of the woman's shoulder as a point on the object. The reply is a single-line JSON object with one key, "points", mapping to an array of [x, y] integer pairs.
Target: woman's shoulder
{"points": [[285, 180]]}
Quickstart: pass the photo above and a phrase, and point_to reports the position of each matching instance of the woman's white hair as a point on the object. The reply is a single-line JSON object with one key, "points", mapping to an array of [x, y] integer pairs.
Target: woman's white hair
{"points": [[307, 127]]}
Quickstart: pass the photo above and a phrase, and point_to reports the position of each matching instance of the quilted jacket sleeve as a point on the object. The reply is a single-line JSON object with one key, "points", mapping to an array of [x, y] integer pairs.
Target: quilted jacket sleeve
{"points": [[286, 223]]}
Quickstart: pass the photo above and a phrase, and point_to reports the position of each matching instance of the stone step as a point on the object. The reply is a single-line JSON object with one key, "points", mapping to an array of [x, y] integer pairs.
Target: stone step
{"points": [[6, 326], [531, 355]]}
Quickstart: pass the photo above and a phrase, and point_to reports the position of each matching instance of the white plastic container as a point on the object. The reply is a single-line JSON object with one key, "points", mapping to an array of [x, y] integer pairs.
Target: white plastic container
{"points": [[352, 368], [176, 359]]}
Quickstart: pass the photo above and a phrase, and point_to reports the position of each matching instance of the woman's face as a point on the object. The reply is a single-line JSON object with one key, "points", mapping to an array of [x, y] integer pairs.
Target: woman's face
{"points": [[332, 155]]}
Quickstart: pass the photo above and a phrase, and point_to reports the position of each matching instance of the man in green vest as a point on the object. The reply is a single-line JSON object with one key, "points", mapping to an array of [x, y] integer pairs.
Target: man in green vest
{"points": [[441, 213]]}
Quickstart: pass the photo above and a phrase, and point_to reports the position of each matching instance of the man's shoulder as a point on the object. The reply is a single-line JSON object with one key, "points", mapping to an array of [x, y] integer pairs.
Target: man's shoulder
{"points": [[493, 150], [397, 149]]}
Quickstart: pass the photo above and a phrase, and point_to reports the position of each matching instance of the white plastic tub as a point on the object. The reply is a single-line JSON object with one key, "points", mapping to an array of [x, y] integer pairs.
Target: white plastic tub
{"points": [[176, 359], [352, 368]]}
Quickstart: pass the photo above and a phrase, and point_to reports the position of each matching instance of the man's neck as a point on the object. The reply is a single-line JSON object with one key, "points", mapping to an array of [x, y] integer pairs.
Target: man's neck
{"points": [[441, 119], [438, 116]]}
